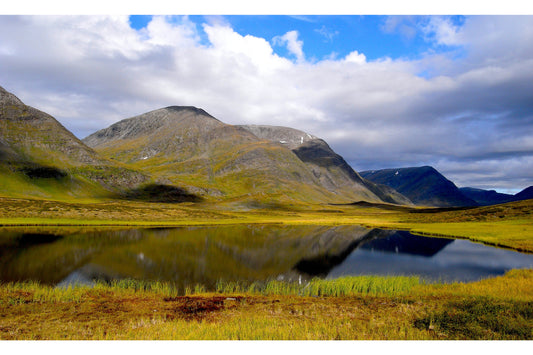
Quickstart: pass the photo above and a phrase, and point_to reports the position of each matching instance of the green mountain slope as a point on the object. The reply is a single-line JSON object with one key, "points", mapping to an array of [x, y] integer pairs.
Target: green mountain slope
{"points": [[332, 171], [41, 158], [188, 147]]}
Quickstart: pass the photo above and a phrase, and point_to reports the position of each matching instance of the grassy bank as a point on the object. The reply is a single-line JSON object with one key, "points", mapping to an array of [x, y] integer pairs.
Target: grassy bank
{"points": [[348, 308]]}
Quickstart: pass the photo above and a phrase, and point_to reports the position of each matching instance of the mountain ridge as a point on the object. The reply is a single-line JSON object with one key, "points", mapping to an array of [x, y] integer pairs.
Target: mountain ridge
{"points": [[329, 167], [491, 197], [422, 185]]}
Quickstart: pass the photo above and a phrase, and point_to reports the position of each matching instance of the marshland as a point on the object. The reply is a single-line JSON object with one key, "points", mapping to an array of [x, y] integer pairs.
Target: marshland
{"points": [[288, 273]]}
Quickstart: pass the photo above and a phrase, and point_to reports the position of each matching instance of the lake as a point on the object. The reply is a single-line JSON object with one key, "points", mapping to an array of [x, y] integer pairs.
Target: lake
{"points": [[186, 256]]}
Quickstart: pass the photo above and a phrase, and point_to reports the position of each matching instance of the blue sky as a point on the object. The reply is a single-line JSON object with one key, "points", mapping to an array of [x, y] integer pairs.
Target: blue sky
{"points": [[328, 36], [453, 92]]}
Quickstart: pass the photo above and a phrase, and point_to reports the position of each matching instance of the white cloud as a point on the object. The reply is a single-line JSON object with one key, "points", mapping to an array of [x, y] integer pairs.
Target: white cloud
{"points": [[294, 46], [441, 30], [355, 57]]}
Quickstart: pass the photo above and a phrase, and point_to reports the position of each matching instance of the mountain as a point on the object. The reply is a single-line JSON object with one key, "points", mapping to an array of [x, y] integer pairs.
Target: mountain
{"points": [[486, 197], [525, 194], [422, 185], [491, 197], [187, 146], [328, 167], [41, 158]]}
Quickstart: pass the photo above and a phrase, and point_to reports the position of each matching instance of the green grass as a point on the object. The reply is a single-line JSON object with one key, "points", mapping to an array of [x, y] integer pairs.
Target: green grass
{"points": [[344, 286]]}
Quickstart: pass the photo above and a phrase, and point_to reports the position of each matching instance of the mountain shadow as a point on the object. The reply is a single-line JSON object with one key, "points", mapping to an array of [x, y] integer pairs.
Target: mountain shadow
{"points": [[160, 193], [36, 171]]}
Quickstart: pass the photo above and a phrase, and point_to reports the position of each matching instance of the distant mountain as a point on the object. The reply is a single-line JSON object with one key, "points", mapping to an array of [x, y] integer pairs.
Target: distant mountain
{"points": [[41, 158], [422, 185], [486, 197], [330, 168], [525, 194], [187, 146], [491, 197]]}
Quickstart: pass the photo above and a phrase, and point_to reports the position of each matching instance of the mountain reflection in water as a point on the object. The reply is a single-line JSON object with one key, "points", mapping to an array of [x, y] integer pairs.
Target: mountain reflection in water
{"points": [[376, 240], [204, 255]]}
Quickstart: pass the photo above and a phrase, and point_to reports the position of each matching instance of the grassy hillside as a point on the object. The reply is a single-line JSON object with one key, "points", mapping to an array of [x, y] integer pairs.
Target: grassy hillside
{"points": [[188, 147], [330, 169], [41, 158]]}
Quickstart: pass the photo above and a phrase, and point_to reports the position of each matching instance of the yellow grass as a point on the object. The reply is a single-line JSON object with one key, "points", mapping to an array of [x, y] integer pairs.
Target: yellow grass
{"points": [[479, 310]]}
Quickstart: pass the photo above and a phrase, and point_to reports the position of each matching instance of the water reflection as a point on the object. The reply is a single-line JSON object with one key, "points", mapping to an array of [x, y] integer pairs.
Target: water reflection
{"points": [[438, 259], [386, 241], [191, 255]]}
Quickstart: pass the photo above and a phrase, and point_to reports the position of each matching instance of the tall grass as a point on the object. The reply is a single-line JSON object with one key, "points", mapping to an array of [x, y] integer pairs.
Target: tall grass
{"points": [[33, 291], [163, 288], [344, 286], [351, 285]]}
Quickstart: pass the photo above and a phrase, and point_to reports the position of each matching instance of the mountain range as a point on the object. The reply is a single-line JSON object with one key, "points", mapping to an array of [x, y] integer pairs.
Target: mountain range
{"points": [[491, 197], [422, 185], [182, 153], [173, 154], [426, 186], [187, 146]]}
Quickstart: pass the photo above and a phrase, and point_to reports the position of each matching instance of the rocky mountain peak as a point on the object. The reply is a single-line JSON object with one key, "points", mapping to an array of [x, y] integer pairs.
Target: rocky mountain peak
{"points": [[289, 137], [7, 98], [162, 122], [193, 109]]}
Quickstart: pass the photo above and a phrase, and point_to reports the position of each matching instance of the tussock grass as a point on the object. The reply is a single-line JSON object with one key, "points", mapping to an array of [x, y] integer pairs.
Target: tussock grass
{"points": [[344, 286], [162, 288], [33, 291]]}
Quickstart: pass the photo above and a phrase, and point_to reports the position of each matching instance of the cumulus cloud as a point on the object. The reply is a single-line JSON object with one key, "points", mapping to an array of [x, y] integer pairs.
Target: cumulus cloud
{"points": [[294, 46], [471, 118]]}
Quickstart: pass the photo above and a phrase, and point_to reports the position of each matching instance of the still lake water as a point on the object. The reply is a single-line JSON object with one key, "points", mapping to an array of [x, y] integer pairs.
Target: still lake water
{"points": [[187, 256]]}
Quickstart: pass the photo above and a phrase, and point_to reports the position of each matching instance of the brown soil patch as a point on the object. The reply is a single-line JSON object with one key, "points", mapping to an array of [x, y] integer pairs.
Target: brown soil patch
{"points": [[198, 308]]}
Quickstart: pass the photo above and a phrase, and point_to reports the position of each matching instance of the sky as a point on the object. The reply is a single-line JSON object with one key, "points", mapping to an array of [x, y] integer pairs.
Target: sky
{"points": [[385, 91]]}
